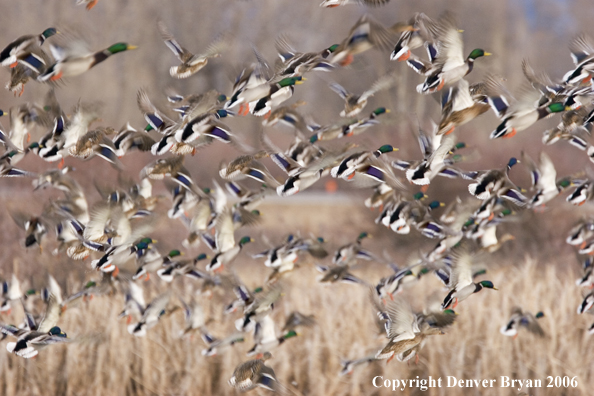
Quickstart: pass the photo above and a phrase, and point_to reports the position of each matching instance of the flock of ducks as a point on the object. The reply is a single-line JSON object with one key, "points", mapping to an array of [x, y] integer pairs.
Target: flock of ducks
{"points": [[115, 232]]}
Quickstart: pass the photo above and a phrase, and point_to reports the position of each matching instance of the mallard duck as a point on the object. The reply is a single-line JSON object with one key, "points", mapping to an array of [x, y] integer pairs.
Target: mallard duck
{"points": [[215, 345], [461, 281], [187, 268], [134, 303], [364, 35], [30, 64], [278, 93], [574, 128], [544, 180], [388, 286], [198, 127], [348, 254], [253, 80], [71, 62], [296, 319], [153, 261], [150, 315], [519, 318], [407, 331], [288, 115], [413, 34], [172, 167], [338, 273], [522, 113], [96, 143], [226, 248], [359, 161], [436, 152], [449, 66], [129, 138], [194, 317], [582, 194], [347, 128], [582, 54], [190, 63], [261, 305], [33, 226], [581, 232], [253, 374], [249, 166], [295, 63], [348, 366], [265, 337], [337, 3], [30, 342], [588, 279], [9, 55], [460, 105], [495, 182], [55, 145], [404, 214], [354, 104]]}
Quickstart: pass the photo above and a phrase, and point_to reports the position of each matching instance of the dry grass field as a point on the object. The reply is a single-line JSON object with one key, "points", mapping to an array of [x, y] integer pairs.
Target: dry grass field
{"points": [[104, 359]]}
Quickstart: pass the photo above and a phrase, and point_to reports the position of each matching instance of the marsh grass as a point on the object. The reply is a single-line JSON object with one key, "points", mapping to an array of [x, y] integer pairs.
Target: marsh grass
{"points": [[104, 359]]}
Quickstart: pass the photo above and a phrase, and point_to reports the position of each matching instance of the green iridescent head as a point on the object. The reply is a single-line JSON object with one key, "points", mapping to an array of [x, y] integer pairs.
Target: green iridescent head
{"points": [[362, 235], [120, 47], [286, 82], [244, 240], [320, 239], [222, 113], [222, 98], [56, 331], [30, 292], [564, 183], [386, 148], [290, 334], [148, 128], [33, 145], [539, 315], [258, 289], [314, 138], [556, 107], [418, 196], [144, 243], [488, 284], [477, 53], [380, 110], [49, 32], [435, 204], [90, 284], [449, 312], [174, 253], [201, 256], [206, 190], [460, 145]]}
